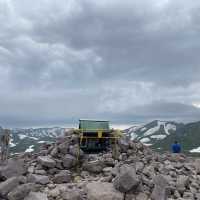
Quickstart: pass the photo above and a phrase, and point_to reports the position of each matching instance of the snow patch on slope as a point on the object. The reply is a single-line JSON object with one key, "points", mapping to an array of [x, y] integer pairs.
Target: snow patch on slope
{"points": [[144, 129], [22, 136], [147, 144], [158, 137], [196, 150], [145, 140], [169, 127], [132, 131], [41, 142], [151, 131], [12, 144], [30, 149]]}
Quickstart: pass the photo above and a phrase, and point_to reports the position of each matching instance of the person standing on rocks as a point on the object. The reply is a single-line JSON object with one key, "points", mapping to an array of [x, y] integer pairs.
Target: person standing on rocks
{"points": [[176, 147], [5, 140]]}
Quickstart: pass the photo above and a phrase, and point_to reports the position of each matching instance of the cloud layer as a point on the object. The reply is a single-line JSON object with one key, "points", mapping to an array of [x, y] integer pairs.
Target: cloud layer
{"points": [[123, 61]]}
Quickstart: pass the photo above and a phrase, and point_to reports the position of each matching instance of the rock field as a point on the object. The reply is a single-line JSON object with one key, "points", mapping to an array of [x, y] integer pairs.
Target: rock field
{"points": [[137, 173]]}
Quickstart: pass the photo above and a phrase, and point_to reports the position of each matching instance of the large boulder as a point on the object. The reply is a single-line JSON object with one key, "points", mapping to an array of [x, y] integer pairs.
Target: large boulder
{"points": [[63, 147], [40, 179], [14, 167], [21, 191], [141, 196], [69, 161], [127, 180], [36, 196], [197, 165], [176, 157], [8, 185], [63, 176], [95, 166], [188, 195], [160, 188], [53, 193], [124, 145], [102, 190], [108, 160], [71, 195], [75, 151], [46, 161], [54, 152], [182, 182]]}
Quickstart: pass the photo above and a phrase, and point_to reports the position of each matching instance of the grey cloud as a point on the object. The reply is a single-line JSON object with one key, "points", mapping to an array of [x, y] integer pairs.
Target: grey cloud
{"points": [[160, 110], [71, 59]]}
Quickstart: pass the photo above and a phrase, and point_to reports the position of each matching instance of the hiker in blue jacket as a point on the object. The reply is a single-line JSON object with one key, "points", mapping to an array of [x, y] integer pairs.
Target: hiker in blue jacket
{"points": [[176, 147]]}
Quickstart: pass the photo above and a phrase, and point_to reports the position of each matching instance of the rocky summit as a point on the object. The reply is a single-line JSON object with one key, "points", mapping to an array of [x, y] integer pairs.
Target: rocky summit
{"points": [[61, 172]]}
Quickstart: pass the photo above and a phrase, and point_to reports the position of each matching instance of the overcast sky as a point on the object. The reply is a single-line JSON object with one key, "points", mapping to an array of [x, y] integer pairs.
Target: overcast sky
{"points": [[125, 61]]}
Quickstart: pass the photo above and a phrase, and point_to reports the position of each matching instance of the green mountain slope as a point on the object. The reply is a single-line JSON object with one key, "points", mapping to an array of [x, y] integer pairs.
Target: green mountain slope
{"points": [[161, 134]]}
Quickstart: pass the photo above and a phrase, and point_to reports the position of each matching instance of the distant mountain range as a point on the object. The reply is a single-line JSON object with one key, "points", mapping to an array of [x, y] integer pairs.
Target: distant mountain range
{"points": [[161, 134], [28, 140], [157, 134]]}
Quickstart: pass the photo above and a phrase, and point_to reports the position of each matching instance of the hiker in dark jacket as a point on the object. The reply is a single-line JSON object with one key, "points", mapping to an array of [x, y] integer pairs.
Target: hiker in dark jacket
{"points": [[176, 147]]}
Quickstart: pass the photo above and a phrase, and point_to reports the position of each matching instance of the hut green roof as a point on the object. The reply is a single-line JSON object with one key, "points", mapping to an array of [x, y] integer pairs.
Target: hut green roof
{"points": [[89, 125]]}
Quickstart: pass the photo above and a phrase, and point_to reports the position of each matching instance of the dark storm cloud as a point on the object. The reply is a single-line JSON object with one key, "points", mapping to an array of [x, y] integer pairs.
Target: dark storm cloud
{"points": [[69, 59]]}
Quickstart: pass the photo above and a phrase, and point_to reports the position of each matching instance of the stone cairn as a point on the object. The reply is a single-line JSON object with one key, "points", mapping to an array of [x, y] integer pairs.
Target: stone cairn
{"points": [[56, 173]]}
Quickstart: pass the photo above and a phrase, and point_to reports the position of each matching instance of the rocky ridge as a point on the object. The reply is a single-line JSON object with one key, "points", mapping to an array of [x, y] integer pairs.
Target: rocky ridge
{"points": [[137, 173]]}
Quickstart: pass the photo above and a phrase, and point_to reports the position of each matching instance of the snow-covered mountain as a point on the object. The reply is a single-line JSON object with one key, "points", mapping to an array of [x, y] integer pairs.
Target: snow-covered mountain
{"points": [[161, 134], [28, 140], [157, 134], [152, 132]]}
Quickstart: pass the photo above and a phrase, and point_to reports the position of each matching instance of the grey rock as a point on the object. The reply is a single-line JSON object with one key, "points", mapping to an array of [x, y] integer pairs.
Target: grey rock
{"points": [[188, 195], [8, 185], [59, 164], [94, 166], [127, 180], [54, 193], [21, 191], [14, 167], [139, 166], [197, 165], [182, 183], [109, 162], [40, 179], [46, 161], [40, 171], [115, 170], [63, 176], [124, 145], [107, 171], [103, 191], [64, 147], [36, 196], [53, 171], [22, 179], [149, 171], [44, 152], [54, 152], [141, 196], [160, 189], [197, 195], [69, 161], [75, 151], [71, 195], [31, 169]]}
